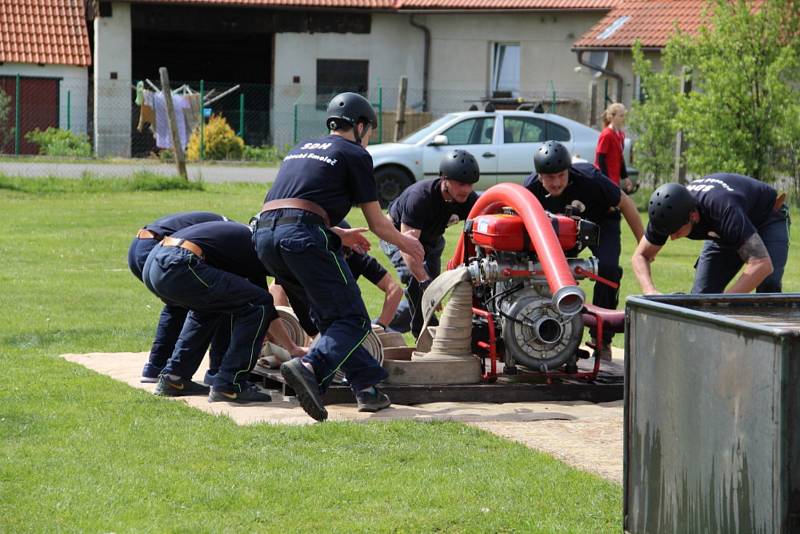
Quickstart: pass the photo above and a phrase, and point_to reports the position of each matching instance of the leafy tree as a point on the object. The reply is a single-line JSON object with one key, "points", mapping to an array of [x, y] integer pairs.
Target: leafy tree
{"points": [[653, 119], [745, 63]]}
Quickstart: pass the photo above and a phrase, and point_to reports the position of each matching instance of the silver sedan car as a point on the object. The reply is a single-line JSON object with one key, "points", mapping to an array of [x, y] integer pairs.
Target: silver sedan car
{"points": [[503, 142]]}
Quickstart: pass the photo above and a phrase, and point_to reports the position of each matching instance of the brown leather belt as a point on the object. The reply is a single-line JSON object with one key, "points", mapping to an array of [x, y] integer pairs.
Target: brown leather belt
{"points": [[779, 202], [147, 234], [182, 243], [299, 204]]}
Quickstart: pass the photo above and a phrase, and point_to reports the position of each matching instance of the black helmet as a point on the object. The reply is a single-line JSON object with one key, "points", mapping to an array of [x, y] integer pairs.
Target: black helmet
{"points": [[351, 108], [552, 157], [670, 207], [461, 166]]}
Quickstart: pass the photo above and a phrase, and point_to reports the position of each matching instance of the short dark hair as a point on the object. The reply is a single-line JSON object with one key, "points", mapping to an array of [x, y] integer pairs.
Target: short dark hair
{"points": [[342, 126]]}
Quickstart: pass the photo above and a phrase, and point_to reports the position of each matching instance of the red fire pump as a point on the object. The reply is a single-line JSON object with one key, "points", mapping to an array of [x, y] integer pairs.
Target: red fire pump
{"points": [[527, 306]]}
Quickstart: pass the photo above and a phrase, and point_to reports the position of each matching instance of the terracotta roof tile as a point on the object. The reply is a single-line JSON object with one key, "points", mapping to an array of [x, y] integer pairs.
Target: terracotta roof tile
{"points": [[583, 5], [44, 31], [363, 4], [406, 4], [650, 21]]}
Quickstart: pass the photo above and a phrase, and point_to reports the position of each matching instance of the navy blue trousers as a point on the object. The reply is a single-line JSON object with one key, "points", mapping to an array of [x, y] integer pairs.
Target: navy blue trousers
{"points": [[172, 318], [718, 264], [607, 252], [245, 310], [409, 314], [309, 256]]}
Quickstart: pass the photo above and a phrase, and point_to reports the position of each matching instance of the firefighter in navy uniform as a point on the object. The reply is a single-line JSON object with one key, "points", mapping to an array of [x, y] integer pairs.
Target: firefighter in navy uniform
{"points": [[212, 269], [316, 186], [172, 317], [360, 264], [743, 221], [424, 210], [557, 184]]}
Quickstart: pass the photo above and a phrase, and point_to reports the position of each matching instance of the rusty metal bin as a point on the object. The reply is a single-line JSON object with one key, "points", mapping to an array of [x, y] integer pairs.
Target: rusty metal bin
{"points": [[712, 414]]}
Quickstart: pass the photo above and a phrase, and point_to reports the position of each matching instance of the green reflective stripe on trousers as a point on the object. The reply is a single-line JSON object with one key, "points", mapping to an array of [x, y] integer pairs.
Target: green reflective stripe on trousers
{"points": [[335, 259], [252, 346], [345, 358], [197, 276]]}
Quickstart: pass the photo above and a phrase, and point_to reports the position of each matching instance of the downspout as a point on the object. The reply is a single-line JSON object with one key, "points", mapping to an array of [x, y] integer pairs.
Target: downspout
{"points": [[607, 72], [426, 60]]}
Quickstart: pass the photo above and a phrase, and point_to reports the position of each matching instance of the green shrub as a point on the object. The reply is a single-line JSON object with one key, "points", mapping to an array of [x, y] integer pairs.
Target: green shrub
{"points": [[221, 142], [58, 142], [268, 154]]}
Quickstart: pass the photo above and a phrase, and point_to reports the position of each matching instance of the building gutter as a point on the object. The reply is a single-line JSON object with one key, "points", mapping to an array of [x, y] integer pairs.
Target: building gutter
{"points": [[607, 72], [625, 48], [426, 60]]}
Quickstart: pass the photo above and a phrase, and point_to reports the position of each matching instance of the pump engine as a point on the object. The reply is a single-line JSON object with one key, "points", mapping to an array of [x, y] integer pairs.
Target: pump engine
{"points": [[509, 282]]}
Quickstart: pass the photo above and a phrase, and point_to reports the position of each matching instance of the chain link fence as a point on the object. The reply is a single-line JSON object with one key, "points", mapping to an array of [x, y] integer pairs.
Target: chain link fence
{"points": [[112, 120]]}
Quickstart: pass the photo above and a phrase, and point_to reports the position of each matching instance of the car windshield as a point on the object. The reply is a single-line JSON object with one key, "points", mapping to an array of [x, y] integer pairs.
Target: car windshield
{"points": [[424, 131]]}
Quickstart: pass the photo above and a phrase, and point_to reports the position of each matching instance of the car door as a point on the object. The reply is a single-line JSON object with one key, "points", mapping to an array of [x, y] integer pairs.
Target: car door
{"points": [[521, 138], [477, 136]]}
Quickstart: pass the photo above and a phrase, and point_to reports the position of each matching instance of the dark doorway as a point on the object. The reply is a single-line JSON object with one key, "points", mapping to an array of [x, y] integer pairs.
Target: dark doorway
{"points": [[221, 46]]}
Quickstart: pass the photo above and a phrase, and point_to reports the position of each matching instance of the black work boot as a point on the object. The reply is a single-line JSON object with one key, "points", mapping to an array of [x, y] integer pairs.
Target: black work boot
{"points": [[305, 386]]}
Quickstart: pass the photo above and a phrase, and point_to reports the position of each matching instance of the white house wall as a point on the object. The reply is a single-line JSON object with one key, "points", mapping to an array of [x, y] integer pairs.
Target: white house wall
{"points": [[393, 48], [462, 45], [460, 62], [112, 81], [74, 86], [622, 63]]}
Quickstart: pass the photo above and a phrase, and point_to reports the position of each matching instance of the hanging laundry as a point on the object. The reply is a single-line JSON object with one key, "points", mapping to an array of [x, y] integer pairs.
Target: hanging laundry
{"points": [[139, 93], [192, 112], [147, 114], [163, 134]]}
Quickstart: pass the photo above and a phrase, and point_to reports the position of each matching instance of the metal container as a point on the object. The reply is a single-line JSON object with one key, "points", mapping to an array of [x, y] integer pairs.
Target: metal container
{"points": [[712, 414]]}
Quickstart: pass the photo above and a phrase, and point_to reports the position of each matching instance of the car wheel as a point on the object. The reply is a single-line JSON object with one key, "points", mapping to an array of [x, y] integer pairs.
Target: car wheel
{"points": [[391, 181]]}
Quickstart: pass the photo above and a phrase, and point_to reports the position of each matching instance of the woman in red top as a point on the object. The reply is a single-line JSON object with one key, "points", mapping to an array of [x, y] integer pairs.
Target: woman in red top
{"points": [[608, 155]]}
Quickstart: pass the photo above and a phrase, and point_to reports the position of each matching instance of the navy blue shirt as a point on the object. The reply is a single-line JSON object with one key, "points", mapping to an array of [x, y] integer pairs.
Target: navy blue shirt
{"points": [[585, 184], [366, 266], [423, 207], [227, 246], [169, 224], [331, 171], [731, 206]]}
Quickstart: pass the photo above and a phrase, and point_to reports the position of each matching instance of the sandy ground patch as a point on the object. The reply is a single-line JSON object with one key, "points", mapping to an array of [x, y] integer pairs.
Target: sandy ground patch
{"points": [[585, 435]]}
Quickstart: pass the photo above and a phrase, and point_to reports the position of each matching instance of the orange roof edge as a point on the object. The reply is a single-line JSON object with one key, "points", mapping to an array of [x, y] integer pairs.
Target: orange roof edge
{"points": [[52, 32]]}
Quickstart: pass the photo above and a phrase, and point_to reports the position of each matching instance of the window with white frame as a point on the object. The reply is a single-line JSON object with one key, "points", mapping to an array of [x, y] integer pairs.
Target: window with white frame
{"points": [[505, 70]]}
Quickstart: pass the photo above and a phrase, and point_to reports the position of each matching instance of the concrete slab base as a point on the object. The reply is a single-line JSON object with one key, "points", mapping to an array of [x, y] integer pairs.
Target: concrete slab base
{"points": [[424, 371]]}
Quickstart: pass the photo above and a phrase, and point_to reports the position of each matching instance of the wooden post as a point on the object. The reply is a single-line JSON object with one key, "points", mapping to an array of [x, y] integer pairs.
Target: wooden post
{"points": [[590, 120], [177, 149], [400, 123], [679, 174]]}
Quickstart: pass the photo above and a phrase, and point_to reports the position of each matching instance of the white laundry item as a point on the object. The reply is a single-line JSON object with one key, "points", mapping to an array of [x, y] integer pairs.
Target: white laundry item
{"points": [[163, 134]]}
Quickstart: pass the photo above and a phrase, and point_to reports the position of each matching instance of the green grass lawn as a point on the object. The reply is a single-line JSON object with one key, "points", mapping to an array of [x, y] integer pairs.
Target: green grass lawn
{"points": [[81, 452]]}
